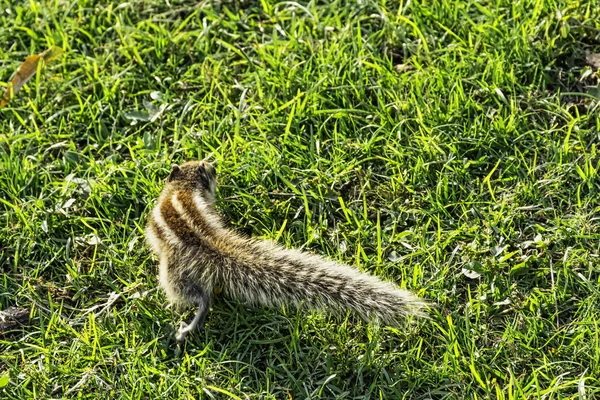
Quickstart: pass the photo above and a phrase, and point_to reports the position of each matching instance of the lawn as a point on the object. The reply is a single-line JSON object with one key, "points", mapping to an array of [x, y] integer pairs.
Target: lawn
{"points": [[450, 147]]}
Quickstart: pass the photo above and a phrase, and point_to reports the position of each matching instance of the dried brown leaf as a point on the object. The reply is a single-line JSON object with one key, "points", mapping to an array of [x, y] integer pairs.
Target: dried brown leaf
{"points": [[26, 71]]}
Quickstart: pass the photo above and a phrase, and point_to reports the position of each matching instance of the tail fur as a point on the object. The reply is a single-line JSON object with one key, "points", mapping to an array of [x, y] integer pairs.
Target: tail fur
{"points": [[273, 276]]}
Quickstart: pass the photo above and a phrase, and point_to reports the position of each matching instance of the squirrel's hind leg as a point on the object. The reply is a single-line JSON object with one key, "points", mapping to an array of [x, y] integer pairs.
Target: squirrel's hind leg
{"points": [[197, 322], [200, 297]]}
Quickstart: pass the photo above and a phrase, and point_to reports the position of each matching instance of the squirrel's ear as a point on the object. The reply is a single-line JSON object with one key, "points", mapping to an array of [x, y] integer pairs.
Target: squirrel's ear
{"points": [[175, 170]]}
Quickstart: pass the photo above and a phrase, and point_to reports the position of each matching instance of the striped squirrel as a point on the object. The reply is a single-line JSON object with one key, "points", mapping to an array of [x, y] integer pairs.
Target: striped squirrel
{"points": [[198, 253]]}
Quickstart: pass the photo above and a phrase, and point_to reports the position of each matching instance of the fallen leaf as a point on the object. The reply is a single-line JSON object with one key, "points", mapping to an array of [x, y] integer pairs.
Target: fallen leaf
{"points": [[156, 96], [12, 317], [68, 203], [470, 274], [27, 70], [154, 112], [151, 114], [593, 59], [393, 257], [137, 116], [497, 250]]}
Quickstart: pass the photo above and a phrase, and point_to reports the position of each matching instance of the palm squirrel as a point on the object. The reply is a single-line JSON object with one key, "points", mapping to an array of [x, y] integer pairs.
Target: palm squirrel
{"points": [[198, 253]]}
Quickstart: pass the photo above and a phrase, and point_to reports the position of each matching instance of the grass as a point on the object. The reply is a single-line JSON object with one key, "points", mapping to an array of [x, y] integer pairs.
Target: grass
{"points": [[451, 147]]}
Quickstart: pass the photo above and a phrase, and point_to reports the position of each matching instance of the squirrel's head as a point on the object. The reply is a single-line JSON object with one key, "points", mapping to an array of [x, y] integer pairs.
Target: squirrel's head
{"points": [[199, 176]]}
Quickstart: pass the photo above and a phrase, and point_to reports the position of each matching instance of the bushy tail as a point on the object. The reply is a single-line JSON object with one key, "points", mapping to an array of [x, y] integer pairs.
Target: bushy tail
{"points": [[274, 276]]}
